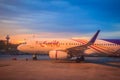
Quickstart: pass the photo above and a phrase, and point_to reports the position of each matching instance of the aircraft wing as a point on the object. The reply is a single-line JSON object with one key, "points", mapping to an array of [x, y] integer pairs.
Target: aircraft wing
{"points": [[79, 50]]}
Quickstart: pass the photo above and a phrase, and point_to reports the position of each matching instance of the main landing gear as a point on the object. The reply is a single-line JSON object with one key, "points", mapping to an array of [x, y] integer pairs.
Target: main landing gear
{"points": [[79, 59], [34, 57]]}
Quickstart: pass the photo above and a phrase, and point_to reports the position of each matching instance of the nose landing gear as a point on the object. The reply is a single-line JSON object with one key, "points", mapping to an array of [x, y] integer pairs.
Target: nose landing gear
{"points": [[34, 57]]}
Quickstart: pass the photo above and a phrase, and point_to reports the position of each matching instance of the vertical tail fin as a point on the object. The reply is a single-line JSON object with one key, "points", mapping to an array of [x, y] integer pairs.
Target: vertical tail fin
{"points": [[93, 39]]}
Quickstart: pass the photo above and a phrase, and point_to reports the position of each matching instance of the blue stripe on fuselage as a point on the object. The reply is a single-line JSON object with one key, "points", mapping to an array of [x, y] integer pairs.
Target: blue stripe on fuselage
{"points": [[116, 41]]}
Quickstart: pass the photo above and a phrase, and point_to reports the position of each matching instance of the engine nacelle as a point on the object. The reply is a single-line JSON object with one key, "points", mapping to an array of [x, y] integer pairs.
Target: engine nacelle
{"points": [[55, 54], [88, 51]]}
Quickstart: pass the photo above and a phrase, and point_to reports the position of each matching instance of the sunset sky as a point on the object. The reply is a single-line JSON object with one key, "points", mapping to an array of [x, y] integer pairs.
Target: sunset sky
{"points": [[60, 18]]}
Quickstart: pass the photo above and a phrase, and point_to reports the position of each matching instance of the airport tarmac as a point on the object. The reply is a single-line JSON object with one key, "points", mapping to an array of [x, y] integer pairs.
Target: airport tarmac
{"points": [[94, 68]]}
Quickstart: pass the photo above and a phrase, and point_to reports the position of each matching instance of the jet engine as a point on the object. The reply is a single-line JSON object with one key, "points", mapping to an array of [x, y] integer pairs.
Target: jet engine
{"points": [[56, 54], [89, 51]]}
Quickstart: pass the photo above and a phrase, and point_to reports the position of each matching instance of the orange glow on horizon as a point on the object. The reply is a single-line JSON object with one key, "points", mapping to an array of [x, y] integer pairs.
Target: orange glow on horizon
{"points": [[20, 38], [17, 39]]}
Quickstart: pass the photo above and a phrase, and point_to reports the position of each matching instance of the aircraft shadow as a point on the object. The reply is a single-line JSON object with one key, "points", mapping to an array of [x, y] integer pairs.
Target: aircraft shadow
{"points": [[106, 61]]}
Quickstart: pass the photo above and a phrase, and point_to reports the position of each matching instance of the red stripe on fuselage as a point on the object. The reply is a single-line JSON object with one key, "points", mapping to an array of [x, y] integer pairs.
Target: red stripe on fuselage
{"points": [[90, 46], [99, 48]]}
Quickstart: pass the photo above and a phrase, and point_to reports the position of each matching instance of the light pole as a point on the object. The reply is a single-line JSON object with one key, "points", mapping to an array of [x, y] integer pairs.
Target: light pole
{"points": [[7, 40]]}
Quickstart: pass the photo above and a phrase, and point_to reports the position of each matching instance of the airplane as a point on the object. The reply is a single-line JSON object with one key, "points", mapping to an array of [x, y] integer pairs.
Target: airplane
{"points": [[62, 49]]}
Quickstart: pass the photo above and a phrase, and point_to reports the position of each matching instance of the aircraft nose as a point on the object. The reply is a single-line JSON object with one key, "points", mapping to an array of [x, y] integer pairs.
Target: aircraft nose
{"points": [[20, 47]]}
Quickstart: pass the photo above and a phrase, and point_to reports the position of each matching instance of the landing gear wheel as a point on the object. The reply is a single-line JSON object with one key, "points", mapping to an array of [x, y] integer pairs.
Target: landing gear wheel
{"points": [[79, 59], [34, 57], [82, 58]]}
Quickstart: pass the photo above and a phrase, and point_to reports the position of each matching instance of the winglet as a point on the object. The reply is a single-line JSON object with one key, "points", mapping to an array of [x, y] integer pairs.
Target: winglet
{"points": [[93, 39]]}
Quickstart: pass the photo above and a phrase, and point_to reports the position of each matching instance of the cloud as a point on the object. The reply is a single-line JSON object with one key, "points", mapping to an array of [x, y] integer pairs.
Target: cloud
{"points": [[116, 25], [18, 38], [61, 16], [8, 21], [12, 29], [111, 35]]}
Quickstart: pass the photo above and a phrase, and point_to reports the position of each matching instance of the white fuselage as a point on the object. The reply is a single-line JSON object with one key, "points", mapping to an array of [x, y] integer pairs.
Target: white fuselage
{"points": [[43, 46]]}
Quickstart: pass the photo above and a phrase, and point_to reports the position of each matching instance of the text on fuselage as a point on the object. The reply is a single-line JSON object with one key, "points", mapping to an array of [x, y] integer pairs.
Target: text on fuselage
{"points": [[53, 43]]}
